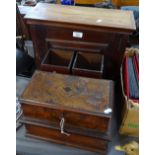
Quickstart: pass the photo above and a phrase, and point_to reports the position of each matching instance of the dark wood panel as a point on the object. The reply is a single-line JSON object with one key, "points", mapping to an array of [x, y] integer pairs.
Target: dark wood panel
{"points": [[87, 36], [72, 118], [77, 45], [53, 135], [114, 56], [38, 37], [71, 128], [111, 45]]}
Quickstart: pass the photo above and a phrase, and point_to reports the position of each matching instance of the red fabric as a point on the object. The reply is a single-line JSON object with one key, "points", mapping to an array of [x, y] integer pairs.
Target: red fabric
{"points": [[137, 60], [126, 77], [136, 66]]}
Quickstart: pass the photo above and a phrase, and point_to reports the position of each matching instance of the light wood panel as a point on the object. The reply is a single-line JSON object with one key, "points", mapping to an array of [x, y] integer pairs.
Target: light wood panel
{"points": [[99, 17]]}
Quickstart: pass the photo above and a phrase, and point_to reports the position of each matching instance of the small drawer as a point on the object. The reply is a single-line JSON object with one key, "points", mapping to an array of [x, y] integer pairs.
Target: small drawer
{"points": [[58, 60], [78, 34], [53, 134], [88, 65], [76, 119]]}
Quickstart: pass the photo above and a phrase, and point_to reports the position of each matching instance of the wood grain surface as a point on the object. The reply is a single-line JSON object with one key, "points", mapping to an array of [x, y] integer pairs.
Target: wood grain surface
{"points": [[76, 140], [74, 92], [83, 15]]}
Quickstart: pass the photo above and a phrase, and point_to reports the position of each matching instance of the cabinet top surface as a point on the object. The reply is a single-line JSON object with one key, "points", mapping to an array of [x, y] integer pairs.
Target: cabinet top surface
{"points": [[73, 92], [24, 9], [82, 15]]}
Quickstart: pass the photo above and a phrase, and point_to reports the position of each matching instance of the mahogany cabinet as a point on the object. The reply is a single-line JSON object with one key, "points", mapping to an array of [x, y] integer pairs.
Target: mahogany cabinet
{"points": [[98, 30]]}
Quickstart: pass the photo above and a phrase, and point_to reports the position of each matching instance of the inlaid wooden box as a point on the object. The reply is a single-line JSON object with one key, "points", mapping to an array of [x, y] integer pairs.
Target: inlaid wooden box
{"points": [[88, 65], [58, 60], [70, 110]]}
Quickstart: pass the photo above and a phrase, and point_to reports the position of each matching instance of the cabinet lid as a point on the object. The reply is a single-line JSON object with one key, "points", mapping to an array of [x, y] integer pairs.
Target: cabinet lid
{"points": [[71, 92], [99, 17]]}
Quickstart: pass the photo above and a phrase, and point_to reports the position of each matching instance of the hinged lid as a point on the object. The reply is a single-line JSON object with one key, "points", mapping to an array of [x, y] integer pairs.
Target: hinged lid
{"points": [[98, 17], [94, 96]]}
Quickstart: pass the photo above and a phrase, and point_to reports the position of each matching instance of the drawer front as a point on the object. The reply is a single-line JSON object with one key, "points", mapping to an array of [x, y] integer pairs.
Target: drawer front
{"points": [[87, 73], [81, 120], [88, 65], [52, 68], [76, 34], [76, 140], [77, 45], [57, 61]]}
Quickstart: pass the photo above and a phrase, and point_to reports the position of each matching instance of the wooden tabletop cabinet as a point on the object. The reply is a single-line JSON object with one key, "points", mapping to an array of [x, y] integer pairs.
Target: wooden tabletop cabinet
{"points": [[84, 29], [69, 110]]}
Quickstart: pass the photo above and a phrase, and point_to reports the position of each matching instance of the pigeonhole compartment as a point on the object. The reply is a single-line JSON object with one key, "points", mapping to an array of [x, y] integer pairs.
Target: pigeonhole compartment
{"points": [[58, 60], [88, 65]]}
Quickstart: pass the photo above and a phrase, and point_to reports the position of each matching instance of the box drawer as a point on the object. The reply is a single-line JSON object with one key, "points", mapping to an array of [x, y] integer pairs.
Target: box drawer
{"points": [[77, 34], [58, 60], [84, 121], [88, 65], [53, 134]]}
